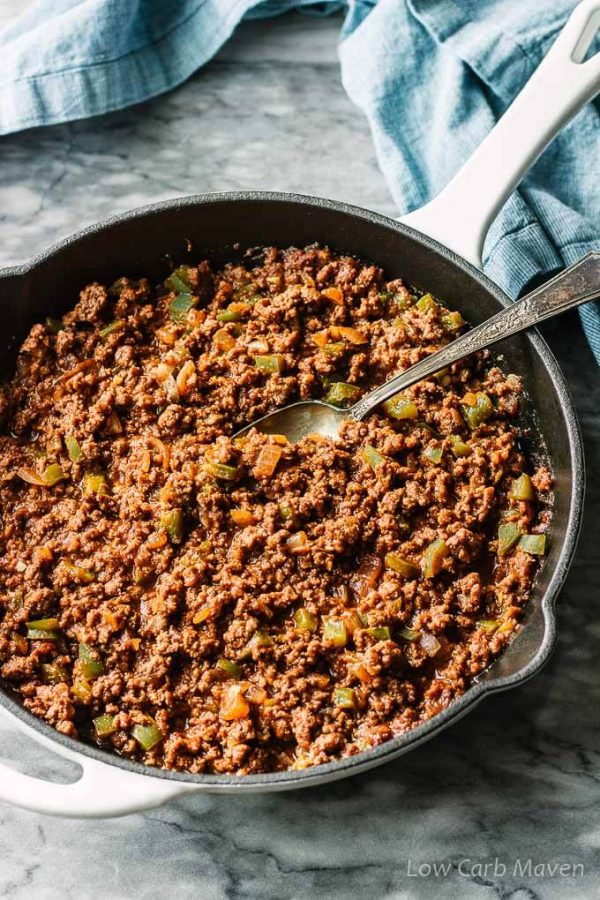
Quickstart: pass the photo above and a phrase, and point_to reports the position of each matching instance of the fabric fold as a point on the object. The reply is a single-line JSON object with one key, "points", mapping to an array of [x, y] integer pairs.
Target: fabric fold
{"points": [[431, 76]]}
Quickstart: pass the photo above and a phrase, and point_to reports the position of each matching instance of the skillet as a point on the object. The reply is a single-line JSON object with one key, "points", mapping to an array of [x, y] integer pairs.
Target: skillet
{"points": [[437, 248]]}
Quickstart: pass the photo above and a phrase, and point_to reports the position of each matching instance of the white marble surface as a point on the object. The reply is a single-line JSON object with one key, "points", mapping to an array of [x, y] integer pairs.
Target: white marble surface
{"points": [[520, 777]]}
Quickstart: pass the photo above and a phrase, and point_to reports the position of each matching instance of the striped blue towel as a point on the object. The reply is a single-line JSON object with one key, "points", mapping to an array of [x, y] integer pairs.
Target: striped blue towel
{"points": [[432, 76]]}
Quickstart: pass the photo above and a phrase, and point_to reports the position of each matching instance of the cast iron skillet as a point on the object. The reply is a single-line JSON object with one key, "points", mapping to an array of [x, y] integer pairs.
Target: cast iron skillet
{"points": [[144, 241]]}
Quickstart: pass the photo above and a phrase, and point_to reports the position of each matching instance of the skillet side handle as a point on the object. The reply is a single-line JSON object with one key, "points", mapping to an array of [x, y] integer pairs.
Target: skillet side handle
{"points": [[460, 215], [102, 791]]}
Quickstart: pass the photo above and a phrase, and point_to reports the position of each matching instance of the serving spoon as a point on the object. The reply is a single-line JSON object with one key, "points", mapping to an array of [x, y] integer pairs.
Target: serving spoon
{"points": [[578, 284]]}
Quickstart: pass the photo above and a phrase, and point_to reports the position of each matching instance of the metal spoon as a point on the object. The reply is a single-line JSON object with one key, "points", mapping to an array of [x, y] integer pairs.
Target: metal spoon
{"points": [[578, 284]]}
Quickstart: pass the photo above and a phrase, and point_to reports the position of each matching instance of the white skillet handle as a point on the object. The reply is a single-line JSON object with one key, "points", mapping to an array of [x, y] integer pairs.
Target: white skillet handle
{"points": [[101, 791], [460, 215]]}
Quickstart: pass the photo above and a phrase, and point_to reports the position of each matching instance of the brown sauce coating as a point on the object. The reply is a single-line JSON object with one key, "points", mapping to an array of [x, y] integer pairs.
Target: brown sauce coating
{"points": [[254, 606]]}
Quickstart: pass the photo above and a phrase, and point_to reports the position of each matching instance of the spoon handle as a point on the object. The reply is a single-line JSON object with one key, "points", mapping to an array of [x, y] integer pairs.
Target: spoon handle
{"points": [[578, 284]]}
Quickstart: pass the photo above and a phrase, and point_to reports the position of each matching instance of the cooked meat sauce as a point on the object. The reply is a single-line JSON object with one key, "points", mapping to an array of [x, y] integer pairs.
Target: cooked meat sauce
{"points": [[216, 605]]}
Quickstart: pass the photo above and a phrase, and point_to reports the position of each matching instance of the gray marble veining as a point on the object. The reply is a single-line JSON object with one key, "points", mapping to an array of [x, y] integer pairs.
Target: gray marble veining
{"points": [[518, 779], [276, 123]]}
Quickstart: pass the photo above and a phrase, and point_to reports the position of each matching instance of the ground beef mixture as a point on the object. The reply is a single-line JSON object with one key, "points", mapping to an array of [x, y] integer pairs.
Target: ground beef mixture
{"points": [[220, 605]]}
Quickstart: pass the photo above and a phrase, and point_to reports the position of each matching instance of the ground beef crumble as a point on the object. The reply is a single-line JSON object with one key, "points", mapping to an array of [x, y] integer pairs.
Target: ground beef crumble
{"points": [[210, 604]]}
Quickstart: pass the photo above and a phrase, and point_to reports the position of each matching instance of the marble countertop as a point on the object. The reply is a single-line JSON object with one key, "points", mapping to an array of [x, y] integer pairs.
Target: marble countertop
{"points": [[517, 780]]}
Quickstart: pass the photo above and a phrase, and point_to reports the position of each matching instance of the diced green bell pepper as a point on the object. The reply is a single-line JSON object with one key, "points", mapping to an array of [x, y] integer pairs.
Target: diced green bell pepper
{"points": [[508, 535], [400, 407], [533, 543], [478, 412], [147, 736], [522, 488], [433, 557], [403, 566], [372, 456], [340, 393]]}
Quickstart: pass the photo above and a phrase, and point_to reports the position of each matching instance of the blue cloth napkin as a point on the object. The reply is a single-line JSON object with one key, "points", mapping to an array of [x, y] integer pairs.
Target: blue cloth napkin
{"points": [[432, 76]]}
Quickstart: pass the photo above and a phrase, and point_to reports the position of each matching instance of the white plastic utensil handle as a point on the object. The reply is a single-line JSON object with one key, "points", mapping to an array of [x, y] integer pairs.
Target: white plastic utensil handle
{"points": [[460, 215], [101, 791]]}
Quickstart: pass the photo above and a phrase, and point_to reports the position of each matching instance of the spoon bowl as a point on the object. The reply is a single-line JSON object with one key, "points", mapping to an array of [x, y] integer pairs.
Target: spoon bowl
{"points": [[298, 420]]}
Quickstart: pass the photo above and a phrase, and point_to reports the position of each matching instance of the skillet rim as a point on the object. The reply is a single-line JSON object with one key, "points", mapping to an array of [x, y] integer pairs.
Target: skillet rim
{"points": [[478, 690]]}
